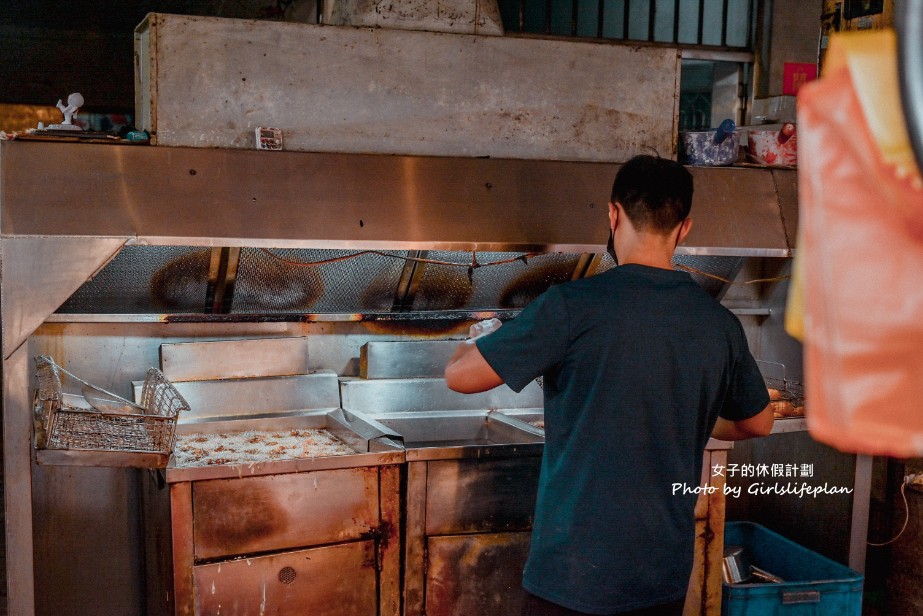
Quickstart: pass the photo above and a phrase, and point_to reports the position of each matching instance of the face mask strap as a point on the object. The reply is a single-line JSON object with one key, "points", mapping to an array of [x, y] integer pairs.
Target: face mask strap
{"points": [[610, 247], [678, 233]]}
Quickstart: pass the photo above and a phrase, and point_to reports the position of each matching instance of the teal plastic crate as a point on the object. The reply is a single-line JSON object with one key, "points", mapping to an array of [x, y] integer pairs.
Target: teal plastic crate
{"points": [[813, 584]]}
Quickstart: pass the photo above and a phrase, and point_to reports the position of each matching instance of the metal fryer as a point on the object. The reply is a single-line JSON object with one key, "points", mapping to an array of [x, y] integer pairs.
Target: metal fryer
{"points": [[299, 535], [472, 478]]}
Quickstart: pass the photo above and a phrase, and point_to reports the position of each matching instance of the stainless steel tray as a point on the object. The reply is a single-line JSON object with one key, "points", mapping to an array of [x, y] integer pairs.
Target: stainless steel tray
{"points": [[234, 359], [242, 398], [527, 419], [377, 397], [373, 443], [404, 359], [441, 435]]}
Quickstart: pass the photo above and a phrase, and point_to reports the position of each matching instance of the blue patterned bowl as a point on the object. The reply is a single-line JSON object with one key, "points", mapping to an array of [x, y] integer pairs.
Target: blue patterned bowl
{"points": [[712, 148]]}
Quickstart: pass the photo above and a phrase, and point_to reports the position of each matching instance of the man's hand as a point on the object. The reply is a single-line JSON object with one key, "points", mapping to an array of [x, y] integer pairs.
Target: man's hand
{"points": [[467, 371]]}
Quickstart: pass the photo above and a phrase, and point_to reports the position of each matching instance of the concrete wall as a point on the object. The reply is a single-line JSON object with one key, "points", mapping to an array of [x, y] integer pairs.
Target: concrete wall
{"points": [[461, 16], [795, 38], [789, 33]]}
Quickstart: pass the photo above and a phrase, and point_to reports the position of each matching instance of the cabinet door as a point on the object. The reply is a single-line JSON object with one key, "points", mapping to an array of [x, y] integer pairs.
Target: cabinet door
{"points": [[337, 580], [481, 495], [279, 512], [476, 574]]}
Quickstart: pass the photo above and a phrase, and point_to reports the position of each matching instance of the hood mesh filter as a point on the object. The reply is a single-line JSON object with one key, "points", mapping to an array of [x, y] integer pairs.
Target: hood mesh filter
{"points": [[504, 286], [146, 279], [722, 267], [365, 283], [174, 280]]}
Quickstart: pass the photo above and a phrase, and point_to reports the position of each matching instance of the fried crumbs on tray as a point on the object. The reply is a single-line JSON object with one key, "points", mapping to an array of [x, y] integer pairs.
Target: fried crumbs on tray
{"points": [[255, 446]]}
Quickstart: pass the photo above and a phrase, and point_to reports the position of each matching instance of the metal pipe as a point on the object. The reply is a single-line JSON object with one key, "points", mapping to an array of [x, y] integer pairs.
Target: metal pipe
{"points": [[743, 57], [910, 68]]}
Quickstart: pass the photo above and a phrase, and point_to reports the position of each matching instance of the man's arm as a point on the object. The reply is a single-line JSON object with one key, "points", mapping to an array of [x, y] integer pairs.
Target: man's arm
{"points": [[758, 425], [468, 372]]}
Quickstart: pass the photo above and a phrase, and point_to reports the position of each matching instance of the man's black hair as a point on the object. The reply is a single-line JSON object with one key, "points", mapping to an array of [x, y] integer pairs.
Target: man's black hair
{"points": [[656, 193]]}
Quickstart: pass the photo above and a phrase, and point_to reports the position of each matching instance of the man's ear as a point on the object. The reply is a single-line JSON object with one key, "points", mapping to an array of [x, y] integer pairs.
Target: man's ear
{"points": [[684, 229], [613, 215]]}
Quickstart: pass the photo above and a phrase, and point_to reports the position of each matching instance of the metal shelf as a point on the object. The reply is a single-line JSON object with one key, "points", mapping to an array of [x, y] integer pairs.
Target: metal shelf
{"points": [[792, 424], [751, 312]]}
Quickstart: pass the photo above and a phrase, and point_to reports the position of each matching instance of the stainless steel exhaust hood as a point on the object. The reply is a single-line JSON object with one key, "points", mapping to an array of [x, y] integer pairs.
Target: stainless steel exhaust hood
{"points": [[208, 197], [181, 212]]}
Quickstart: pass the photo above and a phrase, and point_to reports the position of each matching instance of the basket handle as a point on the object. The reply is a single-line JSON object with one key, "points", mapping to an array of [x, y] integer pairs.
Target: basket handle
{"points": [[806, 596], [100, 393], [771, 365]]}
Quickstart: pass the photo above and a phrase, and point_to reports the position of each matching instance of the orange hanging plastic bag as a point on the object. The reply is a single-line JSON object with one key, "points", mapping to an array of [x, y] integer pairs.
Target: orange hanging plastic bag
{"points": [[859, 270]]}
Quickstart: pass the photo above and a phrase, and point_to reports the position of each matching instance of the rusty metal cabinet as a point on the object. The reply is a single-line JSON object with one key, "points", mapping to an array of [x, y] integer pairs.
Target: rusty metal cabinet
{"points": [[475, 573], [337, 580], [466, 545], [468, 527], [323, 542]]}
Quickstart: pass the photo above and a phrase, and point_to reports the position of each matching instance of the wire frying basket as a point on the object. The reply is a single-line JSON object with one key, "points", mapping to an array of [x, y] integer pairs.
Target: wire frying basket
{"points": [[774, 377], [69, 420], [786, 395]]}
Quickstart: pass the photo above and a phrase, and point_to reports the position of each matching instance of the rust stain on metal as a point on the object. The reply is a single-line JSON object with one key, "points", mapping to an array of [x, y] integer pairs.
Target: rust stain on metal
{"points": [[532, 283], [444, 288], [279, 286], [370, 560], [266, 284], [179, 284], [479, 574], [52, 342], [379, 295], [419, 327], [234, 519], [386, 531]]}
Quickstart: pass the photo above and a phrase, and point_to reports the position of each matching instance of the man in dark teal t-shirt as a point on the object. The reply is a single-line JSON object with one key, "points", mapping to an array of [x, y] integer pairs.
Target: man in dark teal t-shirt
{"points": [[640, 367]]}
